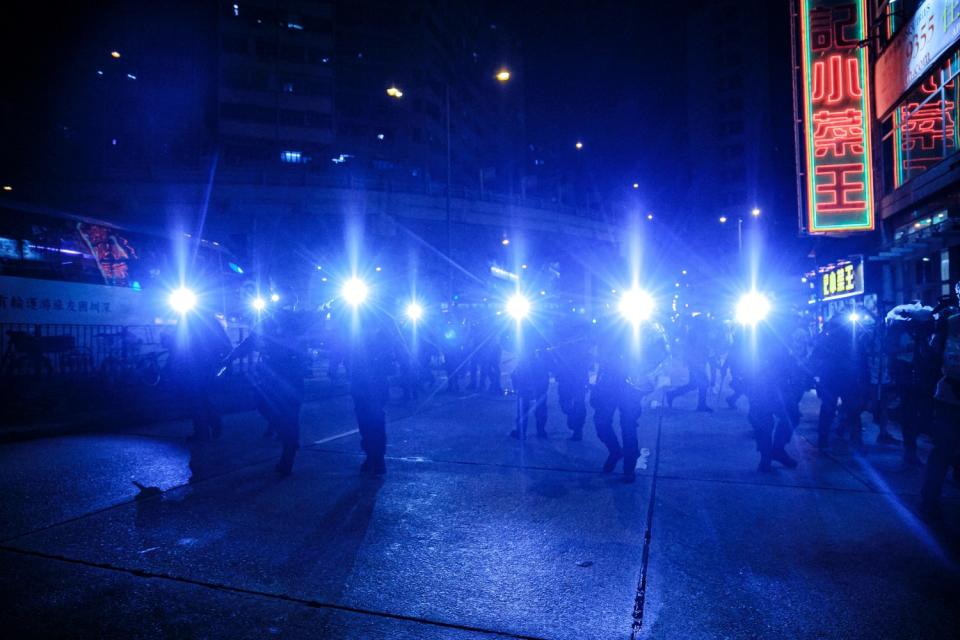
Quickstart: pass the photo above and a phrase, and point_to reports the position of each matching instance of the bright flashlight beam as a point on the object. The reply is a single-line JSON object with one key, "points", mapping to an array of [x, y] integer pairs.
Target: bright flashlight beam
{"points": [[414, 311], [182, 300], [354, 291], [259, 304], [518, 307], [636, 306], [752, 308]]}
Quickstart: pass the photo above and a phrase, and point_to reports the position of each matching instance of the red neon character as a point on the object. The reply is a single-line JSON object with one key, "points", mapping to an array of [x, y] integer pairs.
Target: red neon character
{"points": [[828, 27], [928, 124], [836, 78], [846, 181], [837, 133]]}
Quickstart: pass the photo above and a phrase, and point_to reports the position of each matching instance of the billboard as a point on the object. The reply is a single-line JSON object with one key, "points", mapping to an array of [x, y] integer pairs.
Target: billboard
{"points": [[933, 29], [836, 116]]}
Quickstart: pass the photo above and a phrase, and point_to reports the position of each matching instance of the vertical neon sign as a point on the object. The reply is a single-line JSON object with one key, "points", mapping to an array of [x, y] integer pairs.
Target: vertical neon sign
{"points": [[836, 96]]}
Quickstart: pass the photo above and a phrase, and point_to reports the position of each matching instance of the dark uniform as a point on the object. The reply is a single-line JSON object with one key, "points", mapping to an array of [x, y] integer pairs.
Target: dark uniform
{"points": [[628, 360], [840, 363], [452, 346], [696, 351], [531, 381], [768, 371], [371, 362], [201, 344], [946, 431], [571, 364], [279, 377]]}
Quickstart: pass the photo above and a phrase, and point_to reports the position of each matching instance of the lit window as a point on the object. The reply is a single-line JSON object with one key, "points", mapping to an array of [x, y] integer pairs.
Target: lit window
{"points": [[294, 25], [292, 157]]}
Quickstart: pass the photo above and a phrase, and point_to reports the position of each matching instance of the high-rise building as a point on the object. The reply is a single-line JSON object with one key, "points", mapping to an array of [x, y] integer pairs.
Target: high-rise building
{"points": [[739, 147], [275, 101]]}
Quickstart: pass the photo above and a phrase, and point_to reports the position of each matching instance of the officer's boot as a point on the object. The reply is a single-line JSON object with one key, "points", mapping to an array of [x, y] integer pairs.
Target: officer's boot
{"points": [[285, 465]]}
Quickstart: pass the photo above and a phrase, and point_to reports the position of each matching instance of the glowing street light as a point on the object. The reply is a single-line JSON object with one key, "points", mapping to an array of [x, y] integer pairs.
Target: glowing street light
{"points": [[354, 291], [854, 317], [723, 219], [115, 55], [636, 306], [503, 75], [752, 308], [258, 304], [518, 307], [579, 145], [414, 311], [274, 297], [505, 242], [394, 92], [636, 185], [755, 212], [649, 216], [182, 300]]}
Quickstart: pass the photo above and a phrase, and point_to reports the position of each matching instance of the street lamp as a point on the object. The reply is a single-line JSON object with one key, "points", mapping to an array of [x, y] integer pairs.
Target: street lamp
{"points": [[579, 145], [755, 212], [503, 75], [723, 219], [394, 92]]}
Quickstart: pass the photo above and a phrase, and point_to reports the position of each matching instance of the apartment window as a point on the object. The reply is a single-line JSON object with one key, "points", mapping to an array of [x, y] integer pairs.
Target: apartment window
{"points": [[294, 157]]}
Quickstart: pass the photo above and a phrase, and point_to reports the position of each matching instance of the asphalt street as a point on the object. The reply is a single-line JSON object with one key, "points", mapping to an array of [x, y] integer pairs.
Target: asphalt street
{"points": [[471, 534]]}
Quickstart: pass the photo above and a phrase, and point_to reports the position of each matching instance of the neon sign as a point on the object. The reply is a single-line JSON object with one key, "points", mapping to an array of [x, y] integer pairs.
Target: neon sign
{"points": [[836, 116], [841, 279]]}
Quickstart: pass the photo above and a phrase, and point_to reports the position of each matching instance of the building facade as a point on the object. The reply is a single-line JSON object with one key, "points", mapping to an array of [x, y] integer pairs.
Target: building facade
{"points": [[917, 173]]}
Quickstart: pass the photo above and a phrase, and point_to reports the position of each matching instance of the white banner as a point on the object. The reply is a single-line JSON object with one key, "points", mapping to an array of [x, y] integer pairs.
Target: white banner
{"points": [[54, 302]]}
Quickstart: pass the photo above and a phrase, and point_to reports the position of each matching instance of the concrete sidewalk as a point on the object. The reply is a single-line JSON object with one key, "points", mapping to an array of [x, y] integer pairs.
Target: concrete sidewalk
{"points": [[471, 534]]}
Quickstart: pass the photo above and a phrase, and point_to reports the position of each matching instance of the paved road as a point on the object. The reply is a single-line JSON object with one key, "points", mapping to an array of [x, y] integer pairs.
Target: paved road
{"points": [[470, 534]]}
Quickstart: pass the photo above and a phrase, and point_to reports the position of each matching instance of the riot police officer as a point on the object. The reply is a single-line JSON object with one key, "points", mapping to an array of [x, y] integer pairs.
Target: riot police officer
{"points": [[279, 375], [571, 364], [946, 431], [629, 359], [371, 361], [768, 371], [840, 363], [531, 381], [200, 343]]}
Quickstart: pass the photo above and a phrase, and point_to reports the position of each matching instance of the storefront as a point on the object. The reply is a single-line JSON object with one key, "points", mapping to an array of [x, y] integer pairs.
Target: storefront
{"points": [[917, 103]]}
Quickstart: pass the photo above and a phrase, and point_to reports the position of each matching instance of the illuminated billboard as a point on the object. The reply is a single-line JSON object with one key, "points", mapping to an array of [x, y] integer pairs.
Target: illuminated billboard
{"points": [[836, 116], [837, 280]]}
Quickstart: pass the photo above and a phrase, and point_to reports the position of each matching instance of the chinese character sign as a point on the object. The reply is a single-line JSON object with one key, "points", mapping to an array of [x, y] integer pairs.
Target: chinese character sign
{"points": [[836, 116]]}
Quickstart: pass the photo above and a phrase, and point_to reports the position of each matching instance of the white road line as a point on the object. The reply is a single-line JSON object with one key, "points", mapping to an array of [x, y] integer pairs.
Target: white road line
{"points": [[337, 437]]}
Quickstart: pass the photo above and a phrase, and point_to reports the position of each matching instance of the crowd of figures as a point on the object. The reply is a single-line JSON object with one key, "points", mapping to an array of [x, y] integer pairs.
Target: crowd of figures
{"points": [[903, 368]]}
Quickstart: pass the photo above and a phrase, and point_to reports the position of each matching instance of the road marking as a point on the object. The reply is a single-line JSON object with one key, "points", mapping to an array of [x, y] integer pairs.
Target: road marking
{"points": [[337, 437]]}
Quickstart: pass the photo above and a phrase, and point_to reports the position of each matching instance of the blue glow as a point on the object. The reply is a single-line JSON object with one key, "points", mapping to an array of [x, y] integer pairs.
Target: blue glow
{"points": [[753, 307], [235, 267], [354, 291], [135, 285], [292, 157], [636, 305], [518, 306], [182, 300]]}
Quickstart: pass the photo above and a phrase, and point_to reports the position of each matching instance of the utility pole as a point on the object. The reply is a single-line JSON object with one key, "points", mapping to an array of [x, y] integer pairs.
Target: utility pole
{"points": [[449, 221]]}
